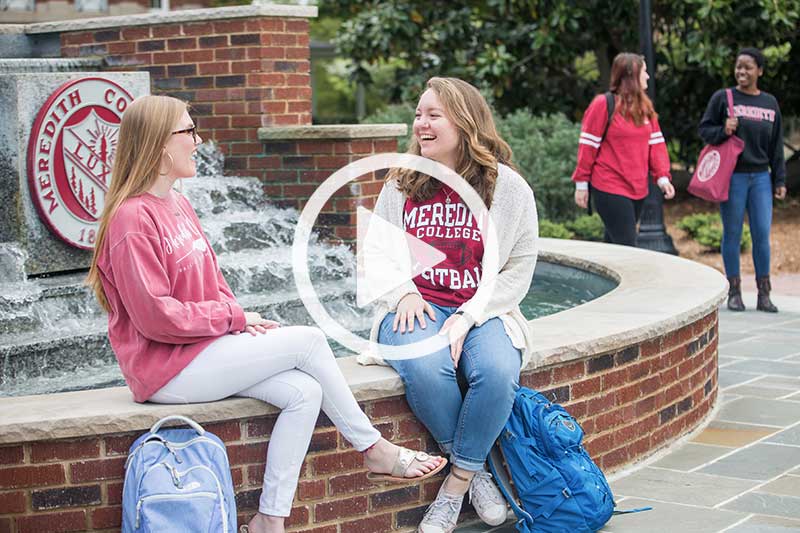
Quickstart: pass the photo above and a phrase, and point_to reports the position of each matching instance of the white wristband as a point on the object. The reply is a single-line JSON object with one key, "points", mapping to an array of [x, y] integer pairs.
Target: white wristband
{"points": [[581, 185], [662, 180]]}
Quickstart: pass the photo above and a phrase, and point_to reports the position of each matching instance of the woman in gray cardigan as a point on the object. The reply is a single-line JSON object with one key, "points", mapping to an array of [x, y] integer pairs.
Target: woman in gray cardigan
{"points": [[489, 339]]}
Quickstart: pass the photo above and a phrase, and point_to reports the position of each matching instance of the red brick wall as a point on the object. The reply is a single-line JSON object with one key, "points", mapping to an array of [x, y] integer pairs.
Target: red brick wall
{"points": [[292, 170], [630, 403], [239, 74]]}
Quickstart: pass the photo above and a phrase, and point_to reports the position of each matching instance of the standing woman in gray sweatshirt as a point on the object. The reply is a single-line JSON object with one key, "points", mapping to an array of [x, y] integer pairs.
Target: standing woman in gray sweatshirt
{"points": [[489, 342], [759, 175]]}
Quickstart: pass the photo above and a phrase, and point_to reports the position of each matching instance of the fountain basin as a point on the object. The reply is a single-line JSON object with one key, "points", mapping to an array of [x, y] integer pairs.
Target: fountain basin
{"points": [[637, 366]]}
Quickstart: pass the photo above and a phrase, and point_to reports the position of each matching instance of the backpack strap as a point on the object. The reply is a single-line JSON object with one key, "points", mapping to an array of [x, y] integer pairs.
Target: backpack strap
{"points": [[637, 510], [504, 484], [188, 421], [610, 104]]}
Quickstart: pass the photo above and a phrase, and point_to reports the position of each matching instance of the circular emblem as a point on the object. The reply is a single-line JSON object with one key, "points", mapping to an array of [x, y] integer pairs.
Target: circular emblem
{"points": [[70, 154], [568, 424], [708, 166]]}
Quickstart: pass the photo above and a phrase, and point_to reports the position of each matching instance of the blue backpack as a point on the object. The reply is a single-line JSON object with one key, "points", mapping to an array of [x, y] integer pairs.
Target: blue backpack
{"points": [[178, 480], [559, 486]]}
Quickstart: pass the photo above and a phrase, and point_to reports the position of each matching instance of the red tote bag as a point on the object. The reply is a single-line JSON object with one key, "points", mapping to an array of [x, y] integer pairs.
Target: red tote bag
{"points": [[712, 175]]}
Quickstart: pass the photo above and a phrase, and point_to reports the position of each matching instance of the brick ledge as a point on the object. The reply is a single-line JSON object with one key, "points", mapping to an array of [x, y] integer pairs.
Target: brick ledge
{"points": [[635, 311], [187, 15], [332, 131]]}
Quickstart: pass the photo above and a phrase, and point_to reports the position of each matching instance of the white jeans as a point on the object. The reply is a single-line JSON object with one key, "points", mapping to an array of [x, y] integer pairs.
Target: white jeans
{"points": [[292, 368]]}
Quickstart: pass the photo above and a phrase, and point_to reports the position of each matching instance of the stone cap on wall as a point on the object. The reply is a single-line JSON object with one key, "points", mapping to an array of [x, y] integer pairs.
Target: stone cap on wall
{"points": [[187, 15], [332, 131], [657, 293]]}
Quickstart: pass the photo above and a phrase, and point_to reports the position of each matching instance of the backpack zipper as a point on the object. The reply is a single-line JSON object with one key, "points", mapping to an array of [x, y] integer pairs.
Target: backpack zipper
{"points": [[140, 503]]}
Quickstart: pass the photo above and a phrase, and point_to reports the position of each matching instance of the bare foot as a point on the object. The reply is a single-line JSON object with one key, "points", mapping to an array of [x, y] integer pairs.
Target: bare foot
{"points": [[380, 459], [264, 523]]}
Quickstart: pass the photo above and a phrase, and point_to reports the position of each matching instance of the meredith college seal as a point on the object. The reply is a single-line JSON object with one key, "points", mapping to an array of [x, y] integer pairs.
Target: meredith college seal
{"points": [[70, 154]]}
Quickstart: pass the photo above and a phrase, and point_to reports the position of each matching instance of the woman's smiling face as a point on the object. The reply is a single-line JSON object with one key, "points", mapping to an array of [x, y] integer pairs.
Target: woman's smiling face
{"points": [[747, 72], [437, 136]]}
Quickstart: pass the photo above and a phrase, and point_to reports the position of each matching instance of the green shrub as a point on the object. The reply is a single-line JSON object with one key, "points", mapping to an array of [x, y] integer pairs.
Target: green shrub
{"points": [[394, 114], [706, 229], [545, 151], [553, 230], [587, 228]]}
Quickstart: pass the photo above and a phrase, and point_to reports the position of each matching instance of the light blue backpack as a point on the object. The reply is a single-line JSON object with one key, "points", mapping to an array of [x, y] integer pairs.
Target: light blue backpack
{"points": [[559, 487], [178, 480]]}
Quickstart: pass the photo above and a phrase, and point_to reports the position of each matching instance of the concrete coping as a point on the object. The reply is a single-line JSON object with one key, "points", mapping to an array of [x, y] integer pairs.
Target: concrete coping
{"points": [[332, 131], [50, 64], [12, 29], [657, 293], [171, 17]]}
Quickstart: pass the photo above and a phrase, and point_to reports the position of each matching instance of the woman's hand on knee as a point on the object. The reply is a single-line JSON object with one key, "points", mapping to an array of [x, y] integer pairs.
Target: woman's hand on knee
{"points": [[255, 324], [411, 307], [456, 328]]}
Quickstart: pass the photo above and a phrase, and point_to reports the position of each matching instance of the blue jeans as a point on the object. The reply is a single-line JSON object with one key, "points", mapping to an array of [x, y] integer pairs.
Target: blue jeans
{"points": [[751, 192], [465, 427]]}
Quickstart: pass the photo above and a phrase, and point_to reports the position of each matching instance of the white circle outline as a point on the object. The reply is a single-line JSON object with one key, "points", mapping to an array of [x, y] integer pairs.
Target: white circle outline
{"points": [[328, 188]]}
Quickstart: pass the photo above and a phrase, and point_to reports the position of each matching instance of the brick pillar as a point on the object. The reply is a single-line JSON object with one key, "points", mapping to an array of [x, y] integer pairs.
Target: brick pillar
{"points": [[296, 160], [240, 68]]}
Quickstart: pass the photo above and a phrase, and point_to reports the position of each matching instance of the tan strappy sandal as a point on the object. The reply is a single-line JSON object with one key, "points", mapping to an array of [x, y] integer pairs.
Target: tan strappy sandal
{"points": [[404, 460]]}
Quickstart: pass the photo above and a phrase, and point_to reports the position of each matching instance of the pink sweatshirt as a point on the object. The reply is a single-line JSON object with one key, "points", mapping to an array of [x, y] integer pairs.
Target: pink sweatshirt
{"points": [[167, 295]]}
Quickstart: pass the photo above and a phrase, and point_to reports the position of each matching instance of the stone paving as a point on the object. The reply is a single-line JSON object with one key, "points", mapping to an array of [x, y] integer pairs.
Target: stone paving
{"points": [[741, 473]]}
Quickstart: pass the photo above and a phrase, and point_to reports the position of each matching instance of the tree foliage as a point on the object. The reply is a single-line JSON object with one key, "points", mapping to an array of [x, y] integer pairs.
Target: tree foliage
{"points": [[553, 55]]}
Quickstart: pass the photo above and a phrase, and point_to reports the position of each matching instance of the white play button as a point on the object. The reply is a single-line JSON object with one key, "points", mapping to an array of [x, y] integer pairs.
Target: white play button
{"points": [[387, 257]]}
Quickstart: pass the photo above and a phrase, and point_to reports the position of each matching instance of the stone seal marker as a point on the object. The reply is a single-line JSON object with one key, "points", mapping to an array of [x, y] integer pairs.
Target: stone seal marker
{"points": [[70, 154]]}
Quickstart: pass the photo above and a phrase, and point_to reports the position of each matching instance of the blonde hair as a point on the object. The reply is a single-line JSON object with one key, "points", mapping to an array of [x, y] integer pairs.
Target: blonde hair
{"points": [[480, 150], [146, 127]]}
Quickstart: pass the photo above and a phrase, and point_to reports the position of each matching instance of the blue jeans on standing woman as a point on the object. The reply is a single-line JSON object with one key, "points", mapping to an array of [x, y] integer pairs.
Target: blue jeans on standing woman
{"points": [[751, 192], [465, 426]]}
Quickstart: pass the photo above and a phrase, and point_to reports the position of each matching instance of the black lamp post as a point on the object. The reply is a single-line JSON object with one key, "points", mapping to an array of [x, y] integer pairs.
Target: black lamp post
{"points": [[652, 233]]}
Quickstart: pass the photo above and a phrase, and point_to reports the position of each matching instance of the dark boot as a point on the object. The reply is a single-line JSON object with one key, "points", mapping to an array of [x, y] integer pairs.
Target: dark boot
{"points": [[735, 302], [764, 303]]}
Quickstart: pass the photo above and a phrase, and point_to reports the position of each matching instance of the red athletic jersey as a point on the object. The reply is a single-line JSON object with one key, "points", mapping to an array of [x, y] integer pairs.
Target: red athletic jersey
{"points": [[446, 223], [620, 163]]}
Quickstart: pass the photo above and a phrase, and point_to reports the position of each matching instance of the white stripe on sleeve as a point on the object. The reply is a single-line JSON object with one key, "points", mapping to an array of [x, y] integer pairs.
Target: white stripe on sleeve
{"points": [[589, 143], [591, 137]]}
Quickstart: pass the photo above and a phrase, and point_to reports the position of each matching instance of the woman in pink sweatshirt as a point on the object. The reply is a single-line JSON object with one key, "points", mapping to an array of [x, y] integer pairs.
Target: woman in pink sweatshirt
{"points": [[179, 334]]}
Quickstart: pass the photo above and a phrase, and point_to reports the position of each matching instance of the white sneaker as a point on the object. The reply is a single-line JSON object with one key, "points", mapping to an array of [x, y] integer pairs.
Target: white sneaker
{"points": [[487, 499], [442, 514]]}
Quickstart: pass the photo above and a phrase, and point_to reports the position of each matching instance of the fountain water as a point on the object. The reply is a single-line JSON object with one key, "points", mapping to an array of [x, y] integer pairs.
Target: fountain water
{"points": [[53, 334]]}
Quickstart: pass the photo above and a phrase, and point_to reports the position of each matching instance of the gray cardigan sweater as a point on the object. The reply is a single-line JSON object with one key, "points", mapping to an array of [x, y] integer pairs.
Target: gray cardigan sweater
{"points": [[513, 213]]}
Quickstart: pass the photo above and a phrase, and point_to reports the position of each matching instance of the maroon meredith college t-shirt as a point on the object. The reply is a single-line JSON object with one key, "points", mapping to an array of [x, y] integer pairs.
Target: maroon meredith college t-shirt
{"points": [[447, 224]]}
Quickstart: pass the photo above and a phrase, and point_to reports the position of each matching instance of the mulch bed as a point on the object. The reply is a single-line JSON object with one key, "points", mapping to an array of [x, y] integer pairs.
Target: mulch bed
{"points": [[784, 239]]}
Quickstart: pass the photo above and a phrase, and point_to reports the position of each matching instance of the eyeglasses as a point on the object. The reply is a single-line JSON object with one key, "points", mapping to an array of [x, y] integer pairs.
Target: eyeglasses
{"points": [[192, 131]]}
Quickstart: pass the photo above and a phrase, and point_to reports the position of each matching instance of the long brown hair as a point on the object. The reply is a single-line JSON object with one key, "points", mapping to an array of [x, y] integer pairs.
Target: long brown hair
{"points": [[145, 128], [634, 104], [480, 150]]}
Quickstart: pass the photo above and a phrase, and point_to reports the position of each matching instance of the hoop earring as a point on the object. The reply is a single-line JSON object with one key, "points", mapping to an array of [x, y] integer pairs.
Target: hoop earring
{"points": [[171, 164]]}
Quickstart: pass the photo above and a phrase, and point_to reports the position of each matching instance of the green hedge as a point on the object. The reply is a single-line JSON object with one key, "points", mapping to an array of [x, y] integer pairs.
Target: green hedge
{"points": [[554, 230], [545, 151], [587, 228], [706, 228]]}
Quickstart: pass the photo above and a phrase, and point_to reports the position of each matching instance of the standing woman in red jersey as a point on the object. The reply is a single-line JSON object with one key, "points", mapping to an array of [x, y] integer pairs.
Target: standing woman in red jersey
{"points": [[616, 161]]}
